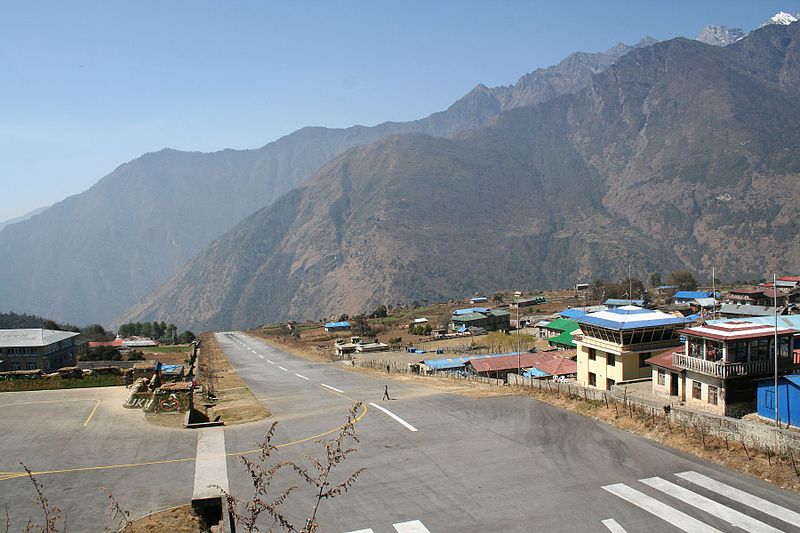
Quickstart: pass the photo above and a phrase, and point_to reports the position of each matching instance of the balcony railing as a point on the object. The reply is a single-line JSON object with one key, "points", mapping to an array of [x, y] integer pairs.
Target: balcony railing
{"points": [[721, 369]]}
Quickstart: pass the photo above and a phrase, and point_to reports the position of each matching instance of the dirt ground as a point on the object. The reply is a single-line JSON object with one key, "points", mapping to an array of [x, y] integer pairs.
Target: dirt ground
{"points": [[236, 405], [181, 519]]}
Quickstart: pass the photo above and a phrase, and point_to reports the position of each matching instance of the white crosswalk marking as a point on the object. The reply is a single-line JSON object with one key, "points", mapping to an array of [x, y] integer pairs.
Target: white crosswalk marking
{"points": [[613, 526], [663, 511], [767, 507], [415, 526], [733, 517]]}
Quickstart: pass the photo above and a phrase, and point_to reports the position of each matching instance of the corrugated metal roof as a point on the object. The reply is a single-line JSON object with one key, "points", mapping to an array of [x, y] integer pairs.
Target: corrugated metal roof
{"points": [[572, 313], [511, 361], [456, 362], [663, 360], [692, 295], [789, 321], [559, 367], [564, 338], [562, 324], [630, 317], [344, 324], [746, 310], [535, 373], [34, 337], [468, 310], [619, 302]]}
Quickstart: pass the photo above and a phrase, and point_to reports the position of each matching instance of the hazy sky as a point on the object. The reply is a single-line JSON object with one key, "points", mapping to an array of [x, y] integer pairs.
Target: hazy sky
{"points": [[86, 86]]}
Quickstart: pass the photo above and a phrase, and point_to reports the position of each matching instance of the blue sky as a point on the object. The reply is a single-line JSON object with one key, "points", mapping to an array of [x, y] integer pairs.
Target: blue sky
{"points": [[87, 86]]}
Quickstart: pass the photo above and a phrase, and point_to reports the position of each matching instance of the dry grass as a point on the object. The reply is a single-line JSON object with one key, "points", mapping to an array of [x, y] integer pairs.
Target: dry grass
{"points": [[181, 519], [237, 404]]}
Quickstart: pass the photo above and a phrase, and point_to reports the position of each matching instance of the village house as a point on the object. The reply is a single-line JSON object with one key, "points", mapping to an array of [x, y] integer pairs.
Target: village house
{"points": [[720, 363], [44, 349], [613, 303], [332, 327], [616, 344], [480, 318]]}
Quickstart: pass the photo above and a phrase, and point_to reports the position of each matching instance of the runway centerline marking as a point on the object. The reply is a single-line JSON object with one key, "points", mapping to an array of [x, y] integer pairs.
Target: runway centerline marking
{"points": [[391, 414], [613, 526], [261, 356], [270, 362], [332, 388], [301, 376]]}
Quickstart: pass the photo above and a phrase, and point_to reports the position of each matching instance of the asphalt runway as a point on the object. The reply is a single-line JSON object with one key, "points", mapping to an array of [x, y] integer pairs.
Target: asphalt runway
{"points": [[446, 462], [435, 461]]}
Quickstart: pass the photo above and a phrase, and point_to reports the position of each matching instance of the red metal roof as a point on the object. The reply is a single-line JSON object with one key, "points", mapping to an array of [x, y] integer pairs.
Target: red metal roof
{"points": [[115, 343], [789, 278], [512, 362], [663, 360], [734, 330], [559, 367]]}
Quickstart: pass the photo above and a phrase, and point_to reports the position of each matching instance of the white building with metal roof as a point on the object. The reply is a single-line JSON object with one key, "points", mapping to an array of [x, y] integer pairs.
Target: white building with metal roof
{"points": [[38, 348]]}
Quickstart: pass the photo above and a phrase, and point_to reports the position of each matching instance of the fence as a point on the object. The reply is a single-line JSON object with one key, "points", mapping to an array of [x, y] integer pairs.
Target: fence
{"points": [[752, 434]]}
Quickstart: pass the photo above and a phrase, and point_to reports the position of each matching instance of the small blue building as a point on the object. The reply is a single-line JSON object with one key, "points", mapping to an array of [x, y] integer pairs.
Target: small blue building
{"points": [[788, 399], [337, 326], [685, 297]]}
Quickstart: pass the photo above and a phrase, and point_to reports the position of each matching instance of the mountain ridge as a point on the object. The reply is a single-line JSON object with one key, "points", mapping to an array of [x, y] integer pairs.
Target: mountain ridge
{"points": [[666, 160], [93, 255]]}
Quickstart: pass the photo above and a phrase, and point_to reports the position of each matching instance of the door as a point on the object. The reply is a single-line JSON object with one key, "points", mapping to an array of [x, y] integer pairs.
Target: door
{"points": [[673, 384]]}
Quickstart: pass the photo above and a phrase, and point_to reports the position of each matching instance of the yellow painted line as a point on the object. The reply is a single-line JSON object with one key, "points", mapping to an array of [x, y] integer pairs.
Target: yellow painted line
{"points": [[5, 476], [92, 413]]}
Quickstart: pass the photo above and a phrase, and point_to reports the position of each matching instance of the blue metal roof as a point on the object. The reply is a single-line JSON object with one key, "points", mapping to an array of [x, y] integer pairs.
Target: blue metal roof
{"points": [[789, 321], [622, 319], [691, 295], [535, 373], [458, 362], [470, 310], [344, 324], [572, 313]]}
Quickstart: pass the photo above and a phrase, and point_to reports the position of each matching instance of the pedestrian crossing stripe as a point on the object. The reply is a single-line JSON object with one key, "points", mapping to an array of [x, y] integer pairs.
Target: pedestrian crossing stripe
{"points": [[687, 523], [414, 526]]}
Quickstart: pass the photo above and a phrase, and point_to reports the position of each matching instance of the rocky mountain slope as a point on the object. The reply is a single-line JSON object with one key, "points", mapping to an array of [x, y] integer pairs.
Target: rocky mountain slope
{"points": [[680, 154], [92, 256], [720, 35]]}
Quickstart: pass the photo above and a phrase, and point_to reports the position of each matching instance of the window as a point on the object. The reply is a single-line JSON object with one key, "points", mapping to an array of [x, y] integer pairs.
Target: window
{"points": [[592, 379], [612, 359], [31, 365], [610, 383], [712, 394], [759, 350], [592, 354], [737, 352], [642, 358], [697, 390], [783, 347], [769, 399], [662, 377], [713, 350]]}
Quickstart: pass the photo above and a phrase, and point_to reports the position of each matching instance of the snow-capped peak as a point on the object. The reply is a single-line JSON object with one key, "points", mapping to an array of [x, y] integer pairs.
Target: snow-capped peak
{"points": [[782, 18]]}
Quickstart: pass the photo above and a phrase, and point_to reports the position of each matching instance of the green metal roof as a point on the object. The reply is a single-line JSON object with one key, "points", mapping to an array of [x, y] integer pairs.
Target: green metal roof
{"points": [[469, 317], [563, 339], [562, 324]]}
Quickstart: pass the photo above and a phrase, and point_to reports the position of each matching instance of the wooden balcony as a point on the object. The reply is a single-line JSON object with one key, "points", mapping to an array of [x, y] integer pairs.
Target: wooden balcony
{"points": [[721, 369]]}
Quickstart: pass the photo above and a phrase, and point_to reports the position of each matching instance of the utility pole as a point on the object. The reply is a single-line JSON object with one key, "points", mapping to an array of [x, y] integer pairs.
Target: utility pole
{"points": [[775, 303]]}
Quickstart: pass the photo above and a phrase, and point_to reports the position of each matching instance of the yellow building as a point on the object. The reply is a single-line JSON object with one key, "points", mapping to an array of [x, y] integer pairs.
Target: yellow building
{"points": [[615, 344]]}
